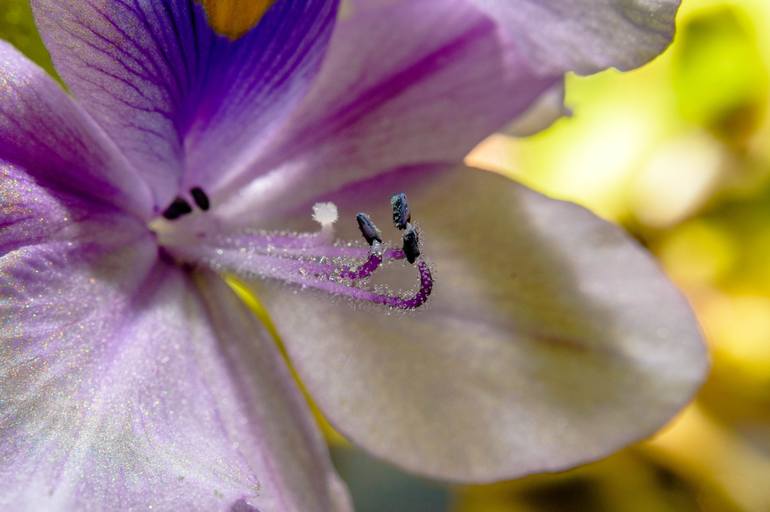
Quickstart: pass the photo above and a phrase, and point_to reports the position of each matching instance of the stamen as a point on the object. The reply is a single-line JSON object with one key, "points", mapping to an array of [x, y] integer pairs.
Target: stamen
{"points": [[200, 198], [368, 229], [176, 209], [311, 260], [401, 214], [413, 301]]}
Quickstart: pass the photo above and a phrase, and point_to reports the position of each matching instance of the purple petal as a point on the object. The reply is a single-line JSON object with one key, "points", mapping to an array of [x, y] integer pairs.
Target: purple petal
{"points": [[58, 144], [585, 35], [403, 83], [126, 385], [551, 339], [177, 97]]}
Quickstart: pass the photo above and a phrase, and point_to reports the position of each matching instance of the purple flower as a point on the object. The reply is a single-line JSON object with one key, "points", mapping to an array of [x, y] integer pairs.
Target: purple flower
{"points": [[132, 377]]}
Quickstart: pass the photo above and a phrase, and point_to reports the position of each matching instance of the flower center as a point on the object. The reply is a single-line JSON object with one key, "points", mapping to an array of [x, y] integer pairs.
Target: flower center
{"points": [[306, 260]]}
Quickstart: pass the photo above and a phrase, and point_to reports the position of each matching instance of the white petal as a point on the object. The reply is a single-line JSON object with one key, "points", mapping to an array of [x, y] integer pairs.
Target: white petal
{"points": [[551, 338]]}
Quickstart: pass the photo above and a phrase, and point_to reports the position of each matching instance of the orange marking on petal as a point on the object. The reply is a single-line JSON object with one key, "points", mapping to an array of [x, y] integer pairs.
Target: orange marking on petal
{"points": [[233, 18]]}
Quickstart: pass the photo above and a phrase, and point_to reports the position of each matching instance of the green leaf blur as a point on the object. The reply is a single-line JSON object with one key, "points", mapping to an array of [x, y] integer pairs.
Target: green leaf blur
{"points": [[18, 27]]}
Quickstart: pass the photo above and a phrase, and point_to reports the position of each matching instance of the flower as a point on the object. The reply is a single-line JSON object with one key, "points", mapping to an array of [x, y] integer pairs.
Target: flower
{"points": [[130, 374]]}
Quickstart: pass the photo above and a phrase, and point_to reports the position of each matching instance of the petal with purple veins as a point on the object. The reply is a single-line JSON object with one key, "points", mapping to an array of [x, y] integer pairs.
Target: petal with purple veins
{"points": [[45, 132], [550, 339], [405, 82], [183, 103], [125, 384], [586, 36]]}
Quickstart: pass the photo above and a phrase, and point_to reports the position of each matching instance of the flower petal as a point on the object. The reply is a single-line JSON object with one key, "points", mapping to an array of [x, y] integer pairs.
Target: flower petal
{"points": [[586, 35], [551, 339], [44, 131], [403, 83], [172, 92], [124, 385]]}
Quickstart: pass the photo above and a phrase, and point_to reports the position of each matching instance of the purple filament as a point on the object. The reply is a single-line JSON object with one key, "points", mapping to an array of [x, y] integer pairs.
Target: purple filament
{"points": [[416, 300], [291, 245], [409, 302], [363, 271], [306, 260]]}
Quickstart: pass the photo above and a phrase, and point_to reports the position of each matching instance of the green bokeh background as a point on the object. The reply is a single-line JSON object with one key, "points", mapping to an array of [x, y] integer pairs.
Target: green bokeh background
{"points": [[678, 152]]}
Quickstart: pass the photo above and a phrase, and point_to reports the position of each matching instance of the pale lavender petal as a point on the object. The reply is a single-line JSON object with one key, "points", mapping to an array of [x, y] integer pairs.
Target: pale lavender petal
{"points": [[45, 132], [176, 96], [125, 384], [551, 338], [585, 35], [403, 83]]}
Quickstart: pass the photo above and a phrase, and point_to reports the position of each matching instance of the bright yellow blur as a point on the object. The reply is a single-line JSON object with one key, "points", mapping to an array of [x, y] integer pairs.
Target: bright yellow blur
{"points": [[685, 167]]}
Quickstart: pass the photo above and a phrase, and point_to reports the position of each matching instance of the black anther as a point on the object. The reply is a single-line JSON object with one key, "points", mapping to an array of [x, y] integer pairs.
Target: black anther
{"points": [[200, 198], [176, 209], [401, 214], [368, 229], [411, 244]]}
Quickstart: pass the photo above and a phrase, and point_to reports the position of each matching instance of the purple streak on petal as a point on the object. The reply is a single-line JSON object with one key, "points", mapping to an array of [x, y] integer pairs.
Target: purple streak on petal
{"points": [[44, 132], [404, 83], [291, 264], [283, 241], [296, 245], [32, 215], [254, 264], [183, 103]]}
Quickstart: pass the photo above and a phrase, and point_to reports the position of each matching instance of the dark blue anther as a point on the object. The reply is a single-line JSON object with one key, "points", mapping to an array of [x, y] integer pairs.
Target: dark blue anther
{"points": [[368, 229], [411, 244], [176, 209], [401, 214], [200, 198]]}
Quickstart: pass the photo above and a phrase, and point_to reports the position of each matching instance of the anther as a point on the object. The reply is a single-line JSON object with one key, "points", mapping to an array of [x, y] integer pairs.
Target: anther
{"points": [[176, 209], [411, 244], [200, 198], [368, 229], [401, 214]]}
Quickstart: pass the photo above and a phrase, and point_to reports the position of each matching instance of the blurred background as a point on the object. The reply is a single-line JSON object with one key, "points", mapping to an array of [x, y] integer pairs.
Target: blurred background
{"points": [[678, 152]]}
